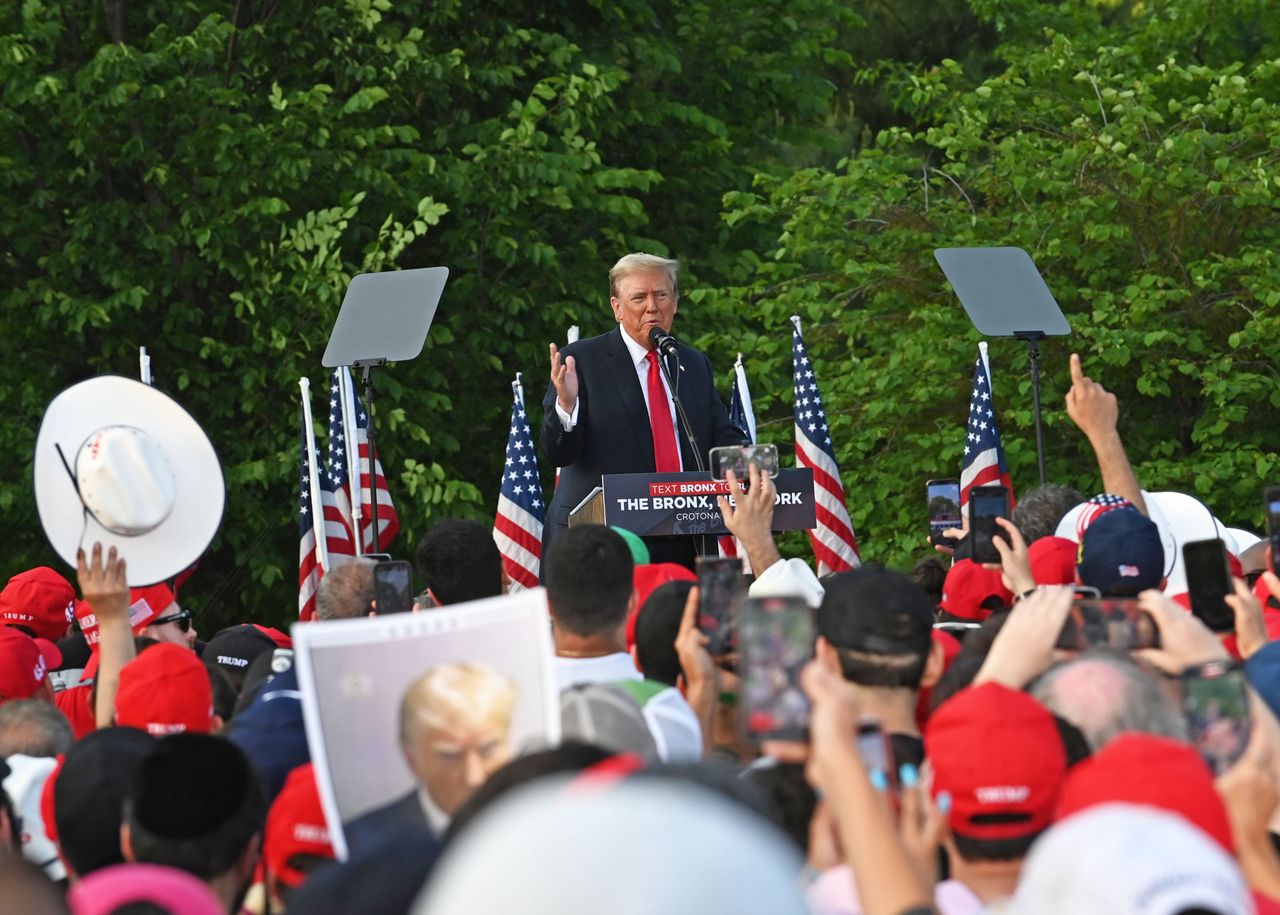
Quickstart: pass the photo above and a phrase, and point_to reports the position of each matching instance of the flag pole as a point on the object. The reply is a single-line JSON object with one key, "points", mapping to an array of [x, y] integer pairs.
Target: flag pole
{"points": [[351, 446], [517, 387], [317, 503], [144, 365]]}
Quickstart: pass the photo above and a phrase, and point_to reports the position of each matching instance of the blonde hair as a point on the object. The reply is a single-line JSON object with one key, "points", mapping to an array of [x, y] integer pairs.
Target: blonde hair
{"points": [[639, 262], [458, 693]]}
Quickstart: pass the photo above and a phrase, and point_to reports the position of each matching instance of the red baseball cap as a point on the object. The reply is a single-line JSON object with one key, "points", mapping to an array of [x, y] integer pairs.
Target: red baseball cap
{"points": [[1151, 770], [145, 604], [999, 755], [1053, 561], [648, 578], [296, 826], [165, 690], [967, 585], [24, 663], [39, 599]]}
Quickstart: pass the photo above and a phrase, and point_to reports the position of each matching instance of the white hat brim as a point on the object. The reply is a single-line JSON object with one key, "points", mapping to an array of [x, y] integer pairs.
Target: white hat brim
{"points": [[200, 491]]}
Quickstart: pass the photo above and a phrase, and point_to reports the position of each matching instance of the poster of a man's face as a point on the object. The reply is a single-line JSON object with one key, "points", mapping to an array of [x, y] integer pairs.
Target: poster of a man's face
{"points": [[427, 704]]}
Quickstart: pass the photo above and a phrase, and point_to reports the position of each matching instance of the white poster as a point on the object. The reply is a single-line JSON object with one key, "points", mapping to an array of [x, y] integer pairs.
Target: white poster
{"points": [[354, 674]]}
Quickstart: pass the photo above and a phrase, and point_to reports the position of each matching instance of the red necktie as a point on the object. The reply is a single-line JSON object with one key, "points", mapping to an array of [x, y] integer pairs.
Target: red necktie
{"points": [[666, 456]]}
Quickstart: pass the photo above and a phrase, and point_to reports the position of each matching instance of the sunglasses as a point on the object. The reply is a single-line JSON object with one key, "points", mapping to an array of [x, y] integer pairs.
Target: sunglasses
{"points": [[183, 620]]}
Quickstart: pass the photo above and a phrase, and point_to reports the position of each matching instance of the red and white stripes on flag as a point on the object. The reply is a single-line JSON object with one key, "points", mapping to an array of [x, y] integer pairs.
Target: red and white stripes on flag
{"points": [[834, 546], [517, 527], [355, 431], [984, 463]]}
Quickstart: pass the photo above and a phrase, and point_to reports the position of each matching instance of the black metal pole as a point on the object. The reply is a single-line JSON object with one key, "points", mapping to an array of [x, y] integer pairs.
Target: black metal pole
{"points": [[1033, 352], [373, 456]]}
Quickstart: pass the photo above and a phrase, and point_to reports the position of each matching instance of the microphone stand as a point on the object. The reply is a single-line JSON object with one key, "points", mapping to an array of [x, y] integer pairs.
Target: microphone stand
{"points": [[685, 426]]}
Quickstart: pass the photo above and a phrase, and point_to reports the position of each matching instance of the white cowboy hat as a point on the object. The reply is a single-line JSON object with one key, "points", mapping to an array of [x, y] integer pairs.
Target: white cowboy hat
{"points": [[119, 463]]}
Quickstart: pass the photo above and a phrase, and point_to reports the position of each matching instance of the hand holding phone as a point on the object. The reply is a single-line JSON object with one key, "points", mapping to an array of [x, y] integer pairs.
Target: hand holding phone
{"points": [[986, 503], [738, 457], [943, 499], [1118, 624]]}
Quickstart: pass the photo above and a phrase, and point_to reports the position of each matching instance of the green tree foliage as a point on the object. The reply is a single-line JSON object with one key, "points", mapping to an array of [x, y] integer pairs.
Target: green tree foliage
{"points": [[204, 179], [1141, 177]]}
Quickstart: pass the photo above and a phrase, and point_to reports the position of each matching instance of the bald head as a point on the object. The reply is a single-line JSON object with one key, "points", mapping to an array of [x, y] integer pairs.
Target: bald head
{"points": [[1105, 695]]}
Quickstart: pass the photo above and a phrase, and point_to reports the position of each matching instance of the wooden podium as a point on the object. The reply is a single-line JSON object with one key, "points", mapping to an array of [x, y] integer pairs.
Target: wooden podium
{"points": [[667, 504]]}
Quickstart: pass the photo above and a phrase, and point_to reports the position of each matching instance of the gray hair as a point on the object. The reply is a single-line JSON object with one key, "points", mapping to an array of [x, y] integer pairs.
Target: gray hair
{"points": [[33, 727], [1040, 509], [346, 591], [1106, 695], [639, 262]]}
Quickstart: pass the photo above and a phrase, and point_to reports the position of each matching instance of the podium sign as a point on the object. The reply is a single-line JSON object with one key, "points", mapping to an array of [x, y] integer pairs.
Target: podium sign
{"points": [[662, 504]]}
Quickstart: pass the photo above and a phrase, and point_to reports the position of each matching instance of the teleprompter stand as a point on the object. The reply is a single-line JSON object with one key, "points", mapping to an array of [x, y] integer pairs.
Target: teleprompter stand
{"points": [[1004, 295], [384, 318]]}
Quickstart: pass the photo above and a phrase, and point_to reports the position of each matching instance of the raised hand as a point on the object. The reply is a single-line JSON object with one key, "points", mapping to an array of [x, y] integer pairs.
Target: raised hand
{"points": [[564, 375]]}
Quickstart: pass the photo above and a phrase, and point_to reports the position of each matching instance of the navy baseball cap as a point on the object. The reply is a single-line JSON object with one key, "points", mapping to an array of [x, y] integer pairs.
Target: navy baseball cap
{"points": [[1121, 553]]}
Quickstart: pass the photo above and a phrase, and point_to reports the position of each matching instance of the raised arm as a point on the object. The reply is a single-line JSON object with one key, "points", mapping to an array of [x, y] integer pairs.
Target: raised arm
{"points": [[1094, 409]]}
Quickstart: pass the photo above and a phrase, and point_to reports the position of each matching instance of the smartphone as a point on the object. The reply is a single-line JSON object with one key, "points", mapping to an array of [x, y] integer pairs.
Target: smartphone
{"points": [[986, 504], [393, 586], [775, 638], [1112, 622], [944, 508], [1271, 504], [876, 751], [719, 582], [1216, 702], [1209, 583], [738, 457]]}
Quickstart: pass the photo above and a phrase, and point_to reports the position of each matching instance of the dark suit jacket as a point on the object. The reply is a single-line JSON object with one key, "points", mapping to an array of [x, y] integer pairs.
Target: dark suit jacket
{"points": [[367, 830], [613, 434]]}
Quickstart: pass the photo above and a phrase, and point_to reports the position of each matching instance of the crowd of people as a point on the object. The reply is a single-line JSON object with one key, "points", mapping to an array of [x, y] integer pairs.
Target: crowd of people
{"points": [[975, 742]]}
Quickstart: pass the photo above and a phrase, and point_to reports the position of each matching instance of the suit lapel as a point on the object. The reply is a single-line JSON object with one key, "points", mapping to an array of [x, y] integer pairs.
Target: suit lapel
{"points": [[627, 382]]}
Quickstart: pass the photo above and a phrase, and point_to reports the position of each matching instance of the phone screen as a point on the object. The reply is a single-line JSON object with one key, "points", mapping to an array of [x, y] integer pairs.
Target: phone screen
{"points": [[1114, 623], [719, 581], [776, 641], [1216, 702], [1272, 505], [737, 457], [944, 507], [986, 503], [393, 586], [1208, 583]]}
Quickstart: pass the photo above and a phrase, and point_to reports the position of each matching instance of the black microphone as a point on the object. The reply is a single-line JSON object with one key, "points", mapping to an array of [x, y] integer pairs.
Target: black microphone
{"points": [[662, 341]]}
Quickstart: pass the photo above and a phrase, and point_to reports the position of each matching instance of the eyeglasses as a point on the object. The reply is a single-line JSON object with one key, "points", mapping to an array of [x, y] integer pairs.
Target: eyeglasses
{"points": [[183, 620]]}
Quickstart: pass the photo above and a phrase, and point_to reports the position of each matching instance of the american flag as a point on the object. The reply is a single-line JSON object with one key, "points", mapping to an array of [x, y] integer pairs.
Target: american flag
{"points": [[517, 528], [1098, 505], [388, 518], [743, 416], [309, 569], [338, 524], [984, 463], [834, 545]]}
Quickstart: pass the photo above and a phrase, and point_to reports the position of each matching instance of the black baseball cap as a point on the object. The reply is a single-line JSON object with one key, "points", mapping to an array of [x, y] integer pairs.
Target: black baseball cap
{"points": [[876, 611], [89, 793]]}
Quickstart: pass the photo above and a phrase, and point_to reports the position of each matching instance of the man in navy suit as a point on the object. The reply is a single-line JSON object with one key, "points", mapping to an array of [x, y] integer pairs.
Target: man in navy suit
{"points": [[599, 414]]}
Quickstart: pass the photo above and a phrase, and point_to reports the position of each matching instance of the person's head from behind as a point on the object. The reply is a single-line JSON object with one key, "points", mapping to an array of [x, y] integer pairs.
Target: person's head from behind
{"points": [[1121, 554], [346, 591], [25, 889], [25, 663], [876, 627], [33, 728], [998, 754], [166, 690], [88, 795], [143, 889], [657, 625], [196, 804], [929, 573], [455, 730], [1040, 509], [297, 838], [1105, 695], [458, 561], [588, 576]]}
